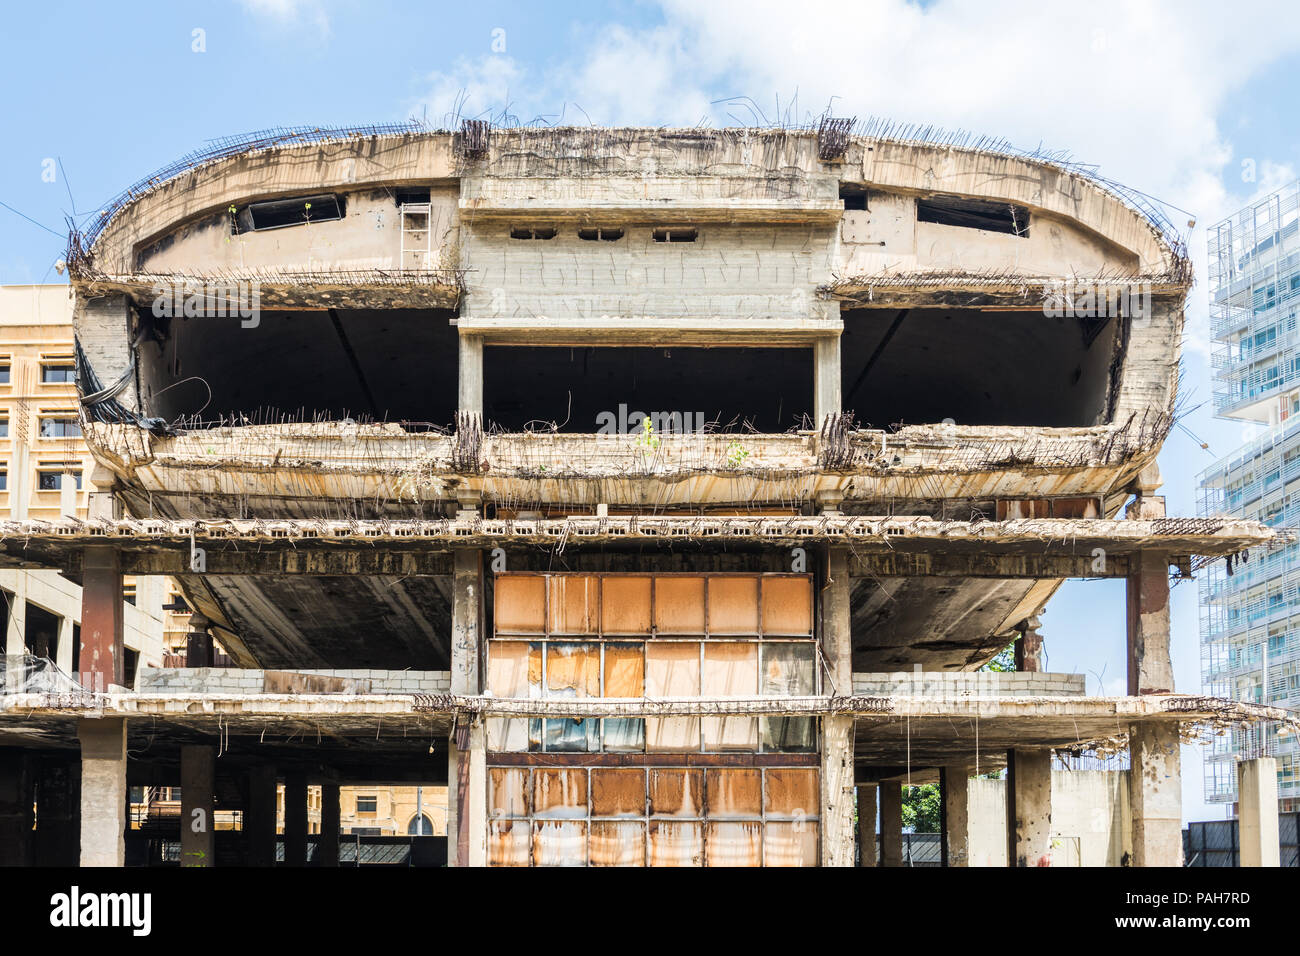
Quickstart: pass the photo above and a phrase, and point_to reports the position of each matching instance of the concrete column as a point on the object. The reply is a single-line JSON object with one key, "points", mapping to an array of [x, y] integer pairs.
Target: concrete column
{"points": [[891, 823], [259, 816], [58, 809], [16, 629], [102, 652], [954, 788], [1155, 784], [477, 816], [837, 729], [453, 803], [866, 824], [471, 374], [1150, 669], [17, 797], [67, 633], [198, 643], [826, 378], [198, 789], [466, 621], [295, 819], [1257, 821], [103, 789], [327, 850], [1029, 648], [1029, 807]]}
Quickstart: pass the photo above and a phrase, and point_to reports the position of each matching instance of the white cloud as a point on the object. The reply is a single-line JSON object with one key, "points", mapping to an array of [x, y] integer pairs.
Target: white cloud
{"points": [[290, 12]]}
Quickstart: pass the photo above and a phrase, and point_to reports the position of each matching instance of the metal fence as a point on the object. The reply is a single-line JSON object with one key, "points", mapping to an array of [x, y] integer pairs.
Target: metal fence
{"points": [[1215, 842]]}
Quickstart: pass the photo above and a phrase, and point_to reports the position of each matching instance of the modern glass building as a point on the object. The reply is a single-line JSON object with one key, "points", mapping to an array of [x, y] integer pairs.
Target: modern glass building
{"points": [[1250, 612]]}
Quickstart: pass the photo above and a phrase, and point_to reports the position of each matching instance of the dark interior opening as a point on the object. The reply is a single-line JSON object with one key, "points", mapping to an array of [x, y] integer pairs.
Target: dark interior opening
{"points": [[584, 389], [405, 195], [976, 367], [974, 214], [41, 632], [275, 213], [854, 196], [369, 365]]}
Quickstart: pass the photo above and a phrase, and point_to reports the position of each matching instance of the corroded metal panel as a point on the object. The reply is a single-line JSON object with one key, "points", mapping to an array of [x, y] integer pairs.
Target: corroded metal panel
{"points": [[787, 605], [733, 794], [672, 670], [676, 843], [509, 843], [733, 843], [790, 844], [625, 604], [617, 843], [618, 792], [514, 670], [560, 843], [730, 669], [679, 604], [573, 602], [520, 602], [560, 793], [791, 793], [677, 793], [508, 792], [733, 604]]}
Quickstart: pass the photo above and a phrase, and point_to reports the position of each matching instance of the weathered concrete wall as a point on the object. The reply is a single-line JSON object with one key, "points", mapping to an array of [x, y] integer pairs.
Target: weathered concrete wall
{"points": [[951, 684], [1091, 823], [235, 680]]}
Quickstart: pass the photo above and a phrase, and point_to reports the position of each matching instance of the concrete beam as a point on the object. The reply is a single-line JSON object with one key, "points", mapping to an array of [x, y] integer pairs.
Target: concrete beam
{"points": [[1257, 820], [891, 823], [867, 824], [103, 788], [198, 803], [954, 790], [102, 650], [1029, 807], [1156, 794]]}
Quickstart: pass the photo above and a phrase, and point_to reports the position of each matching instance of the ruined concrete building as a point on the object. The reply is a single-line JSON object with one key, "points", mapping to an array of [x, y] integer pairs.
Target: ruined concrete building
{"points": [[378, 399]]}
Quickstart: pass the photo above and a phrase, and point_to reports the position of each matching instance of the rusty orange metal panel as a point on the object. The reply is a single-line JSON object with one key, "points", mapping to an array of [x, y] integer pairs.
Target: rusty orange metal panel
{"points": [[787, 605], [508, 792], [520, 603], [574, 603], [679, 604], [729, 794], [560, 843], [730, 669], [560, 792], [618, 793], [672, 670], [514, 670], [676, 843], [572, 670], [617, 843], [624, 670], [790, 844], [733, 604], [791, 793], [733, 843], [625, 604], [509, 843], [676, 792]]}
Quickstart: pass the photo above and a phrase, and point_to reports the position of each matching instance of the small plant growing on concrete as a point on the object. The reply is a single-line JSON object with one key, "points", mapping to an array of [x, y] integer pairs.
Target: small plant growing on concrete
{"points": [[647, 440], [736, 454]]}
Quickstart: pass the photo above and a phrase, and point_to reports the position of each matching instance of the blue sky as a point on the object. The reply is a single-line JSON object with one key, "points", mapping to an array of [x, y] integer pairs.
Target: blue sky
{"points": [[1168, 97]]}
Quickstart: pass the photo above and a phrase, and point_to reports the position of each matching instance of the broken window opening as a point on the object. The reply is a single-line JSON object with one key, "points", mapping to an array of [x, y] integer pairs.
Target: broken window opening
{"points": [[412, 195], [974, 214], [360, 364], [522, 232], [298, 211], [973, 367], [609, 390], [854, 196], [676, 234], [603, 233]]}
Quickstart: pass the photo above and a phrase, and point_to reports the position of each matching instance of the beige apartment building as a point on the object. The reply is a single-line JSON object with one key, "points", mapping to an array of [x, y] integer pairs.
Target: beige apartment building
{"points": [[45, 471]]}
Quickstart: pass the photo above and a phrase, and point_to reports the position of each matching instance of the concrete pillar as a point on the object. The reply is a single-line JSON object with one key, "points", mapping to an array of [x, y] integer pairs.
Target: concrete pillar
{"points": [[102, 651], [198, 643], [467, 622], [198, 802], [471, 374], [891, 823], [866, 824], [477, 816], [67, 634], [103, 789], [17, 798], [295, 819], [259, 816], [1150, 670], [1029, 647], [1029, 807], [327, 849], [58, 811], [837, 729], [1155, 784], [826, 378], [953, 786], [1257, 821], [16, 629]]}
